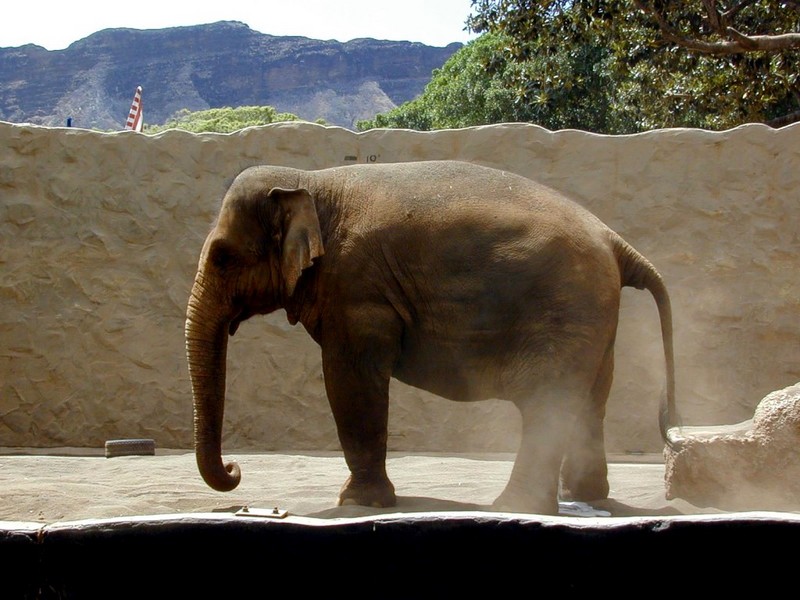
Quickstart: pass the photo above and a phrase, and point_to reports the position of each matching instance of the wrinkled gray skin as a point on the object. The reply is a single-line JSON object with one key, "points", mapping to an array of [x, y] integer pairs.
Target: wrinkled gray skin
{"points": [[465, 281]]}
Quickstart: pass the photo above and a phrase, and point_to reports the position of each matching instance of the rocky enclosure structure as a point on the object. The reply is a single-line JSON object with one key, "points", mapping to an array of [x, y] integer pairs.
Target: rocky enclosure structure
{"points": [[210, 66], [101, 235], [754, 465]]}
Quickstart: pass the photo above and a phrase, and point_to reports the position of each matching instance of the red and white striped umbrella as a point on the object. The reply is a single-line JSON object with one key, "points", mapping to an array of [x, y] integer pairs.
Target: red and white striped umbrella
{"points": [[135, 115]]}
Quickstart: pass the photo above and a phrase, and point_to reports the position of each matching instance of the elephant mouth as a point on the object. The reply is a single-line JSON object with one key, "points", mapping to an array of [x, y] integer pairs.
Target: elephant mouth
{"points": [[240, 315], [236, 321]]}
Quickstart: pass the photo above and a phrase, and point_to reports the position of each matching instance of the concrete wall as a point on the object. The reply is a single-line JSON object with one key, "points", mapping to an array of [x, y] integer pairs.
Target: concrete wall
{"points": [[100, 235]]}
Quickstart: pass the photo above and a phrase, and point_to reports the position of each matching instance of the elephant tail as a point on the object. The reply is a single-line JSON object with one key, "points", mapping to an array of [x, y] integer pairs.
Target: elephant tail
{"points": [[636, 271]]}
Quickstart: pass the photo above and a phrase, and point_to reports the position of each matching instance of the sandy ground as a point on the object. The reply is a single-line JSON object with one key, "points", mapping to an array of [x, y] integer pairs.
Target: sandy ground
{"points": [[67, 485]]}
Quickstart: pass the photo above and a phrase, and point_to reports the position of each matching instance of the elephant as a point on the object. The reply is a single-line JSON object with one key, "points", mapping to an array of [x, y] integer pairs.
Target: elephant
{"points": [[464, 280]]}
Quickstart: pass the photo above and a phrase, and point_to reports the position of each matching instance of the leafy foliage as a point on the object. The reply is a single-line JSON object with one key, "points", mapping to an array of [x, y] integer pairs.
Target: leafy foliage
{"points": [[700, 63], [459, 94], [482, 84], [616, 66], [223, 120]]}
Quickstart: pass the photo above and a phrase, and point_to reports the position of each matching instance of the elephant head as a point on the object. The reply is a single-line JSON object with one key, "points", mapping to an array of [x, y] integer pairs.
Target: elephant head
{"points": [[251, 263]]}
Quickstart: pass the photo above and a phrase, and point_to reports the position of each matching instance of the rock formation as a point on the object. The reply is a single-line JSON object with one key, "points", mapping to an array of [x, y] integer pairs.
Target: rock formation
{"points": [[752, 466], [210, 66]]}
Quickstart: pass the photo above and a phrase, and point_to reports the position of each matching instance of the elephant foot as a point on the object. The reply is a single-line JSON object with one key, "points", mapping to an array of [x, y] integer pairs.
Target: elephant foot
{"points": [[510, 501], [586, 491], [377, 494], [584, 477]]}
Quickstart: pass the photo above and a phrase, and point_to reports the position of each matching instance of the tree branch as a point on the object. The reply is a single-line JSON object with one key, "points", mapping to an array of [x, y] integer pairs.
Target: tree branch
{"points": [[737, 42], [767, 43], [714, 18], [735, 10]]}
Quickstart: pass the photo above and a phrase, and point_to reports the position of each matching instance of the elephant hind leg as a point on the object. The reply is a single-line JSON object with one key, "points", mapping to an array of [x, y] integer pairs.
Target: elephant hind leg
{"points": [[584, 472], [533, 485]]}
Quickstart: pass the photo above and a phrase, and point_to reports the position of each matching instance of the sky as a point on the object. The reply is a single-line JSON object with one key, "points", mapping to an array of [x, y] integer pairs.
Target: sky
{"points": [[56, 24]]}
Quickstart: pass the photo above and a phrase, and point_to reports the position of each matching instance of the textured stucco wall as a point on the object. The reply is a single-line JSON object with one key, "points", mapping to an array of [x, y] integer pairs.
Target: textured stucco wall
{"points": [[100, 234]]}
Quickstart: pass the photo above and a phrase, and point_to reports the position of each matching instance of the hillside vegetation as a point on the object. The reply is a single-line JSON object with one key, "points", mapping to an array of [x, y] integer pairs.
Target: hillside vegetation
{"points": [[223, 120]]}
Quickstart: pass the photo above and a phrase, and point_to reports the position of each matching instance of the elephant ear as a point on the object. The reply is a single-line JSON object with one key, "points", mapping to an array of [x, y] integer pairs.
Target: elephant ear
{"points": [[300, 235]]}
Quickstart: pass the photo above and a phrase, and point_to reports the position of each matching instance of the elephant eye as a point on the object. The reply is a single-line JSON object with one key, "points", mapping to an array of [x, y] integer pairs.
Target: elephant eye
{"points": [[221, 255]]}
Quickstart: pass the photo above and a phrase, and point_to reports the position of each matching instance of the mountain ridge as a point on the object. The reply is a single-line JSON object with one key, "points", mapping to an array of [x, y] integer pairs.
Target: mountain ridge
{"points": [[226, 63]]}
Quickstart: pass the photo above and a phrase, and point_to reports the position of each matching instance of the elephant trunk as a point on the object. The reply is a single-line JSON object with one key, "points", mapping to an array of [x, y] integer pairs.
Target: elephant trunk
{"points": [[206, 348]]}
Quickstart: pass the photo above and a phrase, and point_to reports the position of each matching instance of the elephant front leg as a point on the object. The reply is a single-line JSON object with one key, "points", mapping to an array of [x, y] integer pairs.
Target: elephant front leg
{"points": [[360, 406]]}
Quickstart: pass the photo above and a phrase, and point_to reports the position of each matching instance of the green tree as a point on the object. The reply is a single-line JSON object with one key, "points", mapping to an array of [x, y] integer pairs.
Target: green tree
{"points": [[702, 63], [459, 94], [223, 120], [482, 83]]}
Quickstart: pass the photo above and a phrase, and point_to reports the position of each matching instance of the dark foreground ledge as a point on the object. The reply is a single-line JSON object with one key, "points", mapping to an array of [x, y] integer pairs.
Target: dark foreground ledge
{"points": [[420, 555]]}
